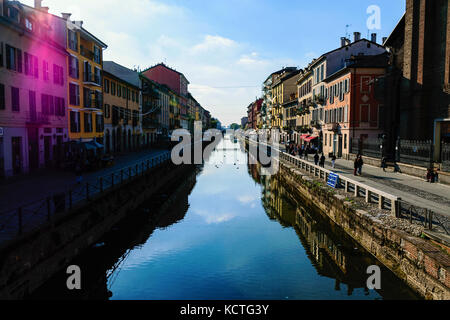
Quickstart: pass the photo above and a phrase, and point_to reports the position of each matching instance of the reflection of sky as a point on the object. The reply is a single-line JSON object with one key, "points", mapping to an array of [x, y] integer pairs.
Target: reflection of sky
{"points": [[225, 248]]}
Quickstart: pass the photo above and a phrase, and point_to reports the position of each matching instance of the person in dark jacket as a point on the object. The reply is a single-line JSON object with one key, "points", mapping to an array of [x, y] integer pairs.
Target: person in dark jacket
{"points": [[360, 165], [322, 161], [316, 159], [355, 165]]}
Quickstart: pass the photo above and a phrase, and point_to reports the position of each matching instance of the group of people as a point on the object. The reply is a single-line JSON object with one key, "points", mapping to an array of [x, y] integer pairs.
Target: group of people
{"points": [[301, 150], [432, 176], [358, 164]]}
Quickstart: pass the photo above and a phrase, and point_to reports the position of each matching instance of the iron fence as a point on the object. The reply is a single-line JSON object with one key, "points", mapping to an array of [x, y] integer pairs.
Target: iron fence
{"points": [[368, 147], [31, 216], [415, 152]]}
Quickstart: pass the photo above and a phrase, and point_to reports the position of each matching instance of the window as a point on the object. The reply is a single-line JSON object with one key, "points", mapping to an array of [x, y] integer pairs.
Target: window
{"points": [[113, 88], [15, 99], [31, 65], [365, 112], [74, 69], [74, 121], [98, 100], [87, 122], [13, 13], [73, 40], [106, 86], [87, 97], [13, 59], [58, 75], [107, 111], [60, 108], [98, 123], [326, 138], [74, 94], [98, 77], [45, 73], [48, 104], [87, 72], [2, 97], [365, 84], [97, 54], [345, 141], [119, 90], [346, 114], [29, 24]]}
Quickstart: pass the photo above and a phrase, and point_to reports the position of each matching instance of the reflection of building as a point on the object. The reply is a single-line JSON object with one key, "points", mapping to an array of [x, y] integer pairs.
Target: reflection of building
{"points": [[33, 88]]}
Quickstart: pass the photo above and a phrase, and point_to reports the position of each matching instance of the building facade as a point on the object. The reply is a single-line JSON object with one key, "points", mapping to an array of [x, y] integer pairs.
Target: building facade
{"points": [[122, 108], [33, 88], [85, 88]]}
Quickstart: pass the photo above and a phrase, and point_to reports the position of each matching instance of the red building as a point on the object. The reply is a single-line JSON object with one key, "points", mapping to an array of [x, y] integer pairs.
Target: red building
{"points": [[253, 109]]}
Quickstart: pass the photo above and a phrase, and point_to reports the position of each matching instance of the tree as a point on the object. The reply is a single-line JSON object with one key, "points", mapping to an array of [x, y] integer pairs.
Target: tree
{"points": [[235, 126]]}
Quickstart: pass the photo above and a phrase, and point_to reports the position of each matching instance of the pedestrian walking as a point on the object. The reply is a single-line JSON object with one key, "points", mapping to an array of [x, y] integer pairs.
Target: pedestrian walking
{"points": [[333, 161], [360, 165], [316, 159], [322, 161], [383, 163], [355, 165]]}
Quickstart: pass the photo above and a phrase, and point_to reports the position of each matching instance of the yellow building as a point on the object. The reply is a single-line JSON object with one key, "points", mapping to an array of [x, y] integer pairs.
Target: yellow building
{"points": [[85, 90], [122, 96]]}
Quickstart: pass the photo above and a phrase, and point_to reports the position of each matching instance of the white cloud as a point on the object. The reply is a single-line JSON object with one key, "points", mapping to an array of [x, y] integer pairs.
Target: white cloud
{"points": [[213, 43], [214, 217]]}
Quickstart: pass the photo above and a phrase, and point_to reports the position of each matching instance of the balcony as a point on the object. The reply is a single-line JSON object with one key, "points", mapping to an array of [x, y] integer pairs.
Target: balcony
{"points": [[37, 118], [315, 124], [87, 53], [91, 79], [333, 127]]}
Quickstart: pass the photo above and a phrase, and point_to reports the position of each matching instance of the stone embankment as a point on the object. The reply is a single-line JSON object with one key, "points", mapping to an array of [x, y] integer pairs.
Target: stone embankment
{"points": [[399, 245]]}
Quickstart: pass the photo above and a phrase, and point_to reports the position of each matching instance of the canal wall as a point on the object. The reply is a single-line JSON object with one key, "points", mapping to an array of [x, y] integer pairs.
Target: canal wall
{"points": [[30, 261], [424, 266]]}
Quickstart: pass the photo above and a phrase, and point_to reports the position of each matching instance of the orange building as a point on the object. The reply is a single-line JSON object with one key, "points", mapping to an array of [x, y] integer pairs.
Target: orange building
{"points": [[352, 107]]}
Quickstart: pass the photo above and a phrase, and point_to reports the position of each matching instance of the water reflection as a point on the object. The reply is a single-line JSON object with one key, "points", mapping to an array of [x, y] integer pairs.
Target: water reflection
{"points": [[228, 233]]}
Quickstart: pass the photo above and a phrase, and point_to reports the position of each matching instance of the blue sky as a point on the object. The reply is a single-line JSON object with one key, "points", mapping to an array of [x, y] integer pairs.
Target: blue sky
{"points": [[220, 44]]}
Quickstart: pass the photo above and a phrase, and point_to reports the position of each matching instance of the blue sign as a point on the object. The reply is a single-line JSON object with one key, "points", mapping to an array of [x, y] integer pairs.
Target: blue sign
{"points": [[333, 180]]}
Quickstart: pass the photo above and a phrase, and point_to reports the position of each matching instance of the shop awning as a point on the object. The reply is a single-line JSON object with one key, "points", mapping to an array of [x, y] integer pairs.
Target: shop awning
{"points": [[309, 139], [304, 136]]}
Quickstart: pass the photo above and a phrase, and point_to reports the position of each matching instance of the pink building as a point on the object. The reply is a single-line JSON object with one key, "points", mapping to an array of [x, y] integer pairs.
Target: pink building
{"points": [[33, 88]]}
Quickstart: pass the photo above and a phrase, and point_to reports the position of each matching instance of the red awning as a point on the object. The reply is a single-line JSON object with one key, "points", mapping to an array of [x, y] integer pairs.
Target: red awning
{"points": [[304, 136], [309, 139]]}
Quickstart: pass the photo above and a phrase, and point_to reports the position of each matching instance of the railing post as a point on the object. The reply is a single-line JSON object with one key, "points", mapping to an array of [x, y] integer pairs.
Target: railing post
{"points": [[368, 198], [395, 208], [380, 201], [430, 220], [19, 215], [356, 190], [346, 186]]}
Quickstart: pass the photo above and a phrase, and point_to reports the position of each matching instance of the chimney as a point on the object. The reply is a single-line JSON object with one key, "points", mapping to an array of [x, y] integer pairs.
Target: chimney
{"points": [[357, 36], [384, 39], [66, 16], [78, 23], [374, 37], [343, 41], [37, 4]]}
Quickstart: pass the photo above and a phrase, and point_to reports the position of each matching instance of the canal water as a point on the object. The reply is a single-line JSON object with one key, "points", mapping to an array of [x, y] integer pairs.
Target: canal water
{"points": [[226, 232]]}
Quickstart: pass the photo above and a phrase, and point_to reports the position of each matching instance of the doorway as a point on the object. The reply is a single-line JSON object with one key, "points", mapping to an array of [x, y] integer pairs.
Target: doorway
{"points": [[16, 148]]}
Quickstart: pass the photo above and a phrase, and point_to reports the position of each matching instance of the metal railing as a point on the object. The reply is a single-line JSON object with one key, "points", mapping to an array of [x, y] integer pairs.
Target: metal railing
{"points": [[383, 199], [31, 216]]}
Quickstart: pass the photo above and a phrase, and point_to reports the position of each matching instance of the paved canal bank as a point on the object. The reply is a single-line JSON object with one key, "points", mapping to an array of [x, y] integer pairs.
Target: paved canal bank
{"points": [[234, 235]]}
